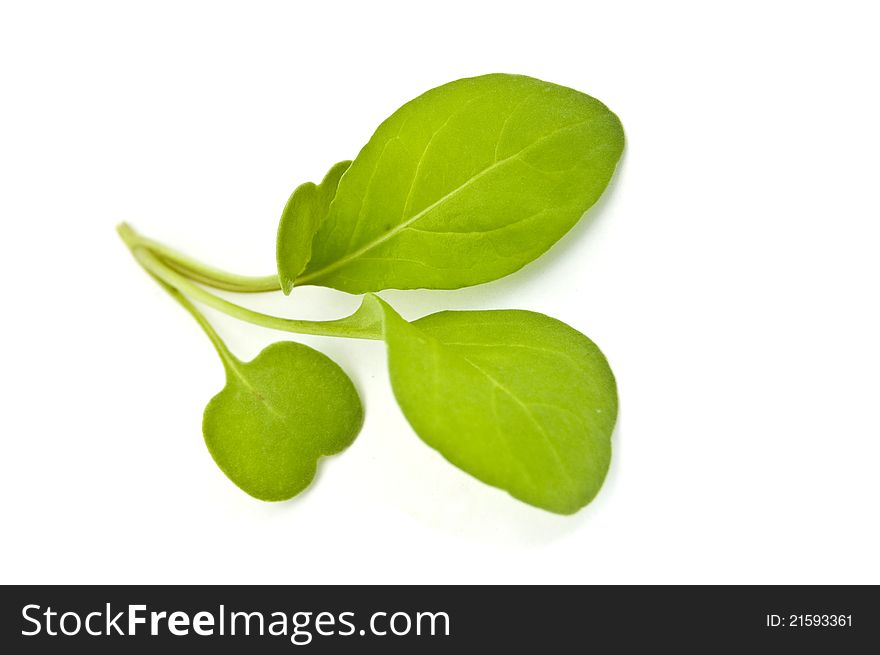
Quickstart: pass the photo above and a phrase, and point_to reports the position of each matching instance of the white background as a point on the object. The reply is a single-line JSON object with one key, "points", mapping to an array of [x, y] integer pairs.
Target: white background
{"points": [[730, 274]]}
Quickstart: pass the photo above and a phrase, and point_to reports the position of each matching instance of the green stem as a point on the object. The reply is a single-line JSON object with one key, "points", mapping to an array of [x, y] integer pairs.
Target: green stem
{"points": [[229, 360], [198, 271], [365, 323]]}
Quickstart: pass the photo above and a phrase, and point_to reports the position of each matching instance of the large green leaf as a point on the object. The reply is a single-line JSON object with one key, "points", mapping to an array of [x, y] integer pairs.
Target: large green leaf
{"points": [[279, 414], [302, 216], [465, 184], [519, 400]]}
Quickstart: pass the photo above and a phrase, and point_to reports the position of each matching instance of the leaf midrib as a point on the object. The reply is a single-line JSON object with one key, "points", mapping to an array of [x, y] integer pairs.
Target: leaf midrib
{"points": [[240, 374], [339, 263]]}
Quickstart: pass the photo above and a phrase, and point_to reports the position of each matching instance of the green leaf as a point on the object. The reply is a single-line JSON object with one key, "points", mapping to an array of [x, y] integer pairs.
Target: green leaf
{"points": [[519, 400], [279, 414], [302, 216], [465, 184]]}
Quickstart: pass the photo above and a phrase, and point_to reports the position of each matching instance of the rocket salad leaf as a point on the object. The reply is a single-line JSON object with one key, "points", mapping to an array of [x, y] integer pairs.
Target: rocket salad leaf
{"points": [[465, 184], [517, 399], [277, 416]]}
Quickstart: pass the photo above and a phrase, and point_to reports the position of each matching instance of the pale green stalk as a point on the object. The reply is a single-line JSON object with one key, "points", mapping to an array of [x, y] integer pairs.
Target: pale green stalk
{"points": [[196, 270], [365, 323]]}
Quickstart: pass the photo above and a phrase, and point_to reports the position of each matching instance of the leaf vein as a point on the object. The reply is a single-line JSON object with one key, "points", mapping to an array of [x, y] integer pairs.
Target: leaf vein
{"points": [[528, 412], [558, 353], [427, 148]]}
